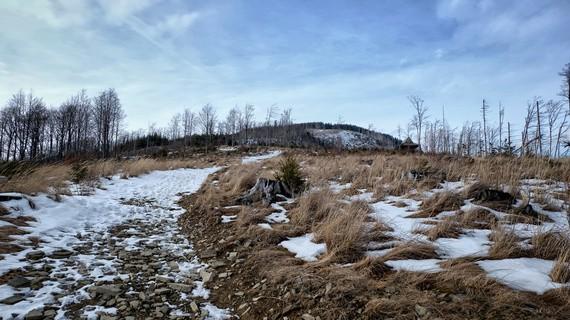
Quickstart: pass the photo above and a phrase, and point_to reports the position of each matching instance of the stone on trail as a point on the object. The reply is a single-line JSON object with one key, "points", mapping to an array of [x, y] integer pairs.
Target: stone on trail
{"points": [[12, 300], [186, 288], [61, 254], [20, 282], [34, 315], [106, 290], [35, 255]]}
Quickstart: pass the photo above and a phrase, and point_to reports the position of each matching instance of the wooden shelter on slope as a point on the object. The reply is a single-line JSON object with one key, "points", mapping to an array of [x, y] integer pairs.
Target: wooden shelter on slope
{"points": [[409, 146]]}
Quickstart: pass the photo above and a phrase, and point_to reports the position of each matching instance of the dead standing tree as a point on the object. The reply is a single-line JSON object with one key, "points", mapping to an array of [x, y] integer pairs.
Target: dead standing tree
{"points": [[207, 120], [420, 116]]}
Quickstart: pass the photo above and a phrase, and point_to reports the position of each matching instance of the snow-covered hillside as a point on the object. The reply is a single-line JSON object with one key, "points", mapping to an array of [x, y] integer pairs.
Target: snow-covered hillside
{"points": [[345, 139]]}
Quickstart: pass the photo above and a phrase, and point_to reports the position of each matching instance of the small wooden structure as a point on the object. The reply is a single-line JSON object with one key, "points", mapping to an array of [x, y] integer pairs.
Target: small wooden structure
{"points": [[408, 145]]}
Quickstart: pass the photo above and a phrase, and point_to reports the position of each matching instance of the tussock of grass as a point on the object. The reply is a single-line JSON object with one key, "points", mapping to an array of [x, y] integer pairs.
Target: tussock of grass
{"points": [[443, 229], [344, 232], [505, 244], [412, 250], [561, 270], [440, 202], [550, 245], [314, 207]]}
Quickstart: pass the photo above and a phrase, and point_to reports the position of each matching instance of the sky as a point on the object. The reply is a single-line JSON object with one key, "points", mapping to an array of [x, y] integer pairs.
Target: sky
{"points": [[355, 60]]}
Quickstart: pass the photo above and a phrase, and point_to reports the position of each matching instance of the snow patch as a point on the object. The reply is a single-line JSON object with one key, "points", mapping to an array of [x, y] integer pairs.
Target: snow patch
{"points": [[304, 248]]}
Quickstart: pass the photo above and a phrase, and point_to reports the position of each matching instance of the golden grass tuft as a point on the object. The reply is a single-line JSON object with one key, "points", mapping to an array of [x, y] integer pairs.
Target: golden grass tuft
{"points": [[344, 232], [314, 207], [412, 250], [550, 245], [443, 229], [505, 244], [561, 271], [440, 202]]}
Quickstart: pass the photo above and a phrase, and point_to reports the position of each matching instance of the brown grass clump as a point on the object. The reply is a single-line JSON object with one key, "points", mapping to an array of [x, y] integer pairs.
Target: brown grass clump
{"points": [[344, 232], [314, 207], [412, 250], [441, 201], [550, 245], [3, 210], [505, 244], [443, 229], [561, 271], [475, 218], [240, 179], [144, 166], [47, 178], [372, 266], [251, 216]]}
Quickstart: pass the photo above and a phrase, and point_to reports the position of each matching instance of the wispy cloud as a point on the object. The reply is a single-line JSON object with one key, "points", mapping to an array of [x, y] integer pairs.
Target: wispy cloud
{"points": [[321, 58]]}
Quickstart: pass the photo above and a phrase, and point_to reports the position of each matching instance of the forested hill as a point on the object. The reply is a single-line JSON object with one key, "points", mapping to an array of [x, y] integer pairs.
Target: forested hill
{"points": [[311, 134]]}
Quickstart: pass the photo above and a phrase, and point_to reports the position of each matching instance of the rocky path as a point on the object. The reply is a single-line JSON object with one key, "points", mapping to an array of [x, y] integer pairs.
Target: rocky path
{"points": [[117, 254]]}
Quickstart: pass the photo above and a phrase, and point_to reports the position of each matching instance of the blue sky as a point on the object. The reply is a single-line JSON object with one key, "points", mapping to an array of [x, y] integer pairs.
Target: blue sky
{"points": [[324, 59]]}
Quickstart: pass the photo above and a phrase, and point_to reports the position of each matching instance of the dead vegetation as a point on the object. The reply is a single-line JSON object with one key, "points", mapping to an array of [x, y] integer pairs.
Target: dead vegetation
{"points": [[55, 178], [347, 284], [440, 202]]}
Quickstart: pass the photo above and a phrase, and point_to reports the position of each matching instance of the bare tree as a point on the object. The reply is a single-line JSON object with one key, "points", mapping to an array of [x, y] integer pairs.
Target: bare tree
{"points": [[207, 120], [107, 116], [553, 111], [247, 120], [565, 87], [188, 123], [420, 116], [484, 110]]}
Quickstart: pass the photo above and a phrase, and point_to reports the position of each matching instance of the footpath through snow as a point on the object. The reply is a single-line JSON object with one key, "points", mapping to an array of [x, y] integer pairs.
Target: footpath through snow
{"points": [[116, 254]]}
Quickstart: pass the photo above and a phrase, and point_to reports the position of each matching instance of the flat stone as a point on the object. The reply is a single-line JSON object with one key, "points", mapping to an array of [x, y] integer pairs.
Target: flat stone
{"points": [[208, 254], [34, 315], [20, 282], [61, 254], [307, 316], [135, 304], [181, 287], [206, 276], [12, 300], [232, 256], [106, 290], [161, 291], [216, 264], [194, 307], [35, 255]]}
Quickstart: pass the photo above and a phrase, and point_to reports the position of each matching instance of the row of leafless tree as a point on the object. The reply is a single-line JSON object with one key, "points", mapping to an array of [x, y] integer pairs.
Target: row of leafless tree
{"points": [[80, 125], [543, 132]]}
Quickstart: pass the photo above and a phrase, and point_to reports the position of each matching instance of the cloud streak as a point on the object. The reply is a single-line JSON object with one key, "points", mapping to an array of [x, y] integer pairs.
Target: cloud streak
{"points": [[324, 59]]}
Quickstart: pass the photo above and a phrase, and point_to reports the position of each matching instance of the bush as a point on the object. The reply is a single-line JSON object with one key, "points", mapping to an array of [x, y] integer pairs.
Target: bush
{"points": [[78, 172], [289, 172]]}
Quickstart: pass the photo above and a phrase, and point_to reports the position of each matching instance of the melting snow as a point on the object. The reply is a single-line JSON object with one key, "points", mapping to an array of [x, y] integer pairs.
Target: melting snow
{"points": [[304, 248], [256, 158], [427, 265], [528, 274]]}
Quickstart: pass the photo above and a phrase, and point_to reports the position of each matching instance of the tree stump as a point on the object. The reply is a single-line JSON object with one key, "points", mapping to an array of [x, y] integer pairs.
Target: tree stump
{"points": [[267, 191]]}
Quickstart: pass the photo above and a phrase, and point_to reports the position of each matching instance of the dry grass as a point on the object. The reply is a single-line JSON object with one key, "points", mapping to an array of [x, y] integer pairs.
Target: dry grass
{"points": [[314, 207], [440, 202], [475, 218], [48, 178], [3, 210], [54, 178], [550, 245], [411, 250], [344, 232], [443, 229], [505, 244], [561, 270]]}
